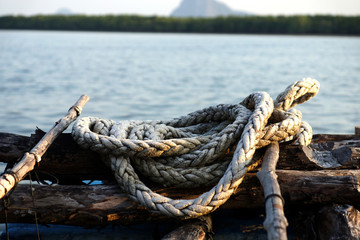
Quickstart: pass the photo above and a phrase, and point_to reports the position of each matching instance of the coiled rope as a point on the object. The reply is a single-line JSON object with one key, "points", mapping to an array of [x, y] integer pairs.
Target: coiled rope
{"points": [[193, 150]]}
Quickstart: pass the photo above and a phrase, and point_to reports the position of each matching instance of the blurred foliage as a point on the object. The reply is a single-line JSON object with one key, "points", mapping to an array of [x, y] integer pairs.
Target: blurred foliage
{"points": [[301, 24]]}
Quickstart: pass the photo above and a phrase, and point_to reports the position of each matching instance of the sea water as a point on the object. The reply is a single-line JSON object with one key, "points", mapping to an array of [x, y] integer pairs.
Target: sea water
{"points": [[152, 76]]}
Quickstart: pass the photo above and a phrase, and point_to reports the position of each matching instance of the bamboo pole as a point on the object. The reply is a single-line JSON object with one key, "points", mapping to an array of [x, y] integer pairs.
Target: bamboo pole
{"points": [[10, 178], [275, 222]]}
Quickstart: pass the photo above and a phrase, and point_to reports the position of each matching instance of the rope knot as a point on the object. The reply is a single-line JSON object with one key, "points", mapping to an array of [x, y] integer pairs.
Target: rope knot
{"points": [[197, 149]]}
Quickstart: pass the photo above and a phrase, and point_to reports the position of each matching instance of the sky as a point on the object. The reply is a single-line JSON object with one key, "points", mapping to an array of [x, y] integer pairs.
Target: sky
{"points": [[165, 7]]}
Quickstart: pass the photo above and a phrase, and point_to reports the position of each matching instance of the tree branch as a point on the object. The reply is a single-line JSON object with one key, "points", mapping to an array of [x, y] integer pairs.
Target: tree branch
{"points": [[10, 178]]}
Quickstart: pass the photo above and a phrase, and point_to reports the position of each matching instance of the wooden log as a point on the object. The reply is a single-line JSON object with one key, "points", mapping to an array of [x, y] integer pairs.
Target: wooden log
{"points": [[187, 232], [357, 130], [327, 151], [332, 221], [86, 205], [64, 159], [70, 164], [344, 153], [97, 205], [13, 146], [9, 179], [275, 222], [338, 222], [194, 229]]}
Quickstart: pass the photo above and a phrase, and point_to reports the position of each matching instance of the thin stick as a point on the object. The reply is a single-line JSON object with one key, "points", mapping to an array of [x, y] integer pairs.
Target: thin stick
{"points": [[275, 222], [10, 178]]}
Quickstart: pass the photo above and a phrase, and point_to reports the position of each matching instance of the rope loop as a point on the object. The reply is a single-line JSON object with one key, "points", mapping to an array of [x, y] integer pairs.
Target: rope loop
{"points": [[297, 93], [197, 149]]}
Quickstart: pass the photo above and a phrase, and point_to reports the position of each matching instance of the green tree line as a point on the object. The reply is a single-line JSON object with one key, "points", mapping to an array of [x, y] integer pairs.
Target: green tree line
{"points": [[302, 24]]}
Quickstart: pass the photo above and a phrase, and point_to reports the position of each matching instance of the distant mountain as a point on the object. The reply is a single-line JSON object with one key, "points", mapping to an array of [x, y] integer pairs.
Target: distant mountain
{"points": [[64, 11], [204, 8]]}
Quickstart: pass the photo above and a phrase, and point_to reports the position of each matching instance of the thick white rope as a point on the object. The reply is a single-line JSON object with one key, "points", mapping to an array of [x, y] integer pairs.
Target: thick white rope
{"points": [[195, 150]]}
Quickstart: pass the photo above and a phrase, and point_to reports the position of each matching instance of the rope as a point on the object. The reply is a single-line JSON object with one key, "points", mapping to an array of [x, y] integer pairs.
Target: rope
{"points": [[196, 149], [6, 207], [33, 202]]}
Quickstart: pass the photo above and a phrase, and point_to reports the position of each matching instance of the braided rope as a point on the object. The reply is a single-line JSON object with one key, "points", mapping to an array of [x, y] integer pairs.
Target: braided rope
{"points": [[195, 150]]}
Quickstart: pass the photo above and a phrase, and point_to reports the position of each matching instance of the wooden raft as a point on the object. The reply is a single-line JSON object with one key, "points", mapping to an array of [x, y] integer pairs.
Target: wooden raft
{"points": [[315, 177]]}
